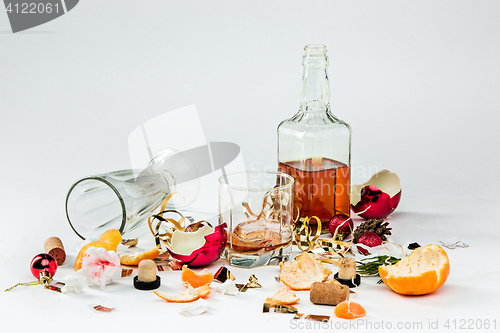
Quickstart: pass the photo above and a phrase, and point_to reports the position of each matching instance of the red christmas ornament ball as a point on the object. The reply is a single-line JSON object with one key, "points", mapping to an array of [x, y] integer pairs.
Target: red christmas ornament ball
{"points": [[344, 224], [43, 263]]}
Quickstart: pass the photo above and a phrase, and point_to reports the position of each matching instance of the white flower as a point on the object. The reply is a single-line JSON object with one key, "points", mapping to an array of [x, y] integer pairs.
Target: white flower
{"points": [[73, 282], [100, 267]]}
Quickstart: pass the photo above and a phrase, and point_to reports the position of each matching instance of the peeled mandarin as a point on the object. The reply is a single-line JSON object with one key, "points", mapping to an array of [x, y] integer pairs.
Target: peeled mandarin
{"points": [[423, 272]]}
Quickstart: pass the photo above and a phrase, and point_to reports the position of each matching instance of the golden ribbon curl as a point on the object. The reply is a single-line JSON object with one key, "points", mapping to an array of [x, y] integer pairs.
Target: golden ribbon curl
{"points": [[302, 227], [165, 227]]}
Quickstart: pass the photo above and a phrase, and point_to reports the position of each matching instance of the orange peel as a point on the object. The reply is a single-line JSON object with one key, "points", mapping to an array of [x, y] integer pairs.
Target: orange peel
{"points": [[303, 272], [136, 258], [284, 296], [109, 240], [189, 295]]}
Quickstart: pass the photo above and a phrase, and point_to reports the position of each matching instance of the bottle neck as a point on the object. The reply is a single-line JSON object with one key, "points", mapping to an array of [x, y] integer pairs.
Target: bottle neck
{"points": [[315, 88]]}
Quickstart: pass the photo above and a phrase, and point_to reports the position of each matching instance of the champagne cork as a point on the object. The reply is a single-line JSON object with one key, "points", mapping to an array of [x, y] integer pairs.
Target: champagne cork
{"points": [[54, 247], [347, 268], [328, 293], [347, 273]]}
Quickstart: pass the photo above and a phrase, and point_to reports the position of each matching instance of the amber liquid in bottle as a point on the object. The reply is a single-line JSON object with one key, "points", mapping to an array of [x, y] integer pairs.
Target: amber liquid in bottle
{"points": [[321, 188]]}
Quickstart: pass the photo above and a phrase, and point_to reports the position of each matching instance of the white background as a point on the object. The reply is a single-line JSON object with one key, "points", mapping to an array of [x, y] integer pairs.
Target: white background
{"points": [[418, 81]]}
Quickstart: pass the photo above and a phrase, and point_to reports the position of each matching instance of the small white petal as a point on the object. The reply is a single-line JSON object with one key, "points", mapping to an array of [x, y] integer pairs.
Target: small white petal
{"points": [[195, 309], [228, 288]]}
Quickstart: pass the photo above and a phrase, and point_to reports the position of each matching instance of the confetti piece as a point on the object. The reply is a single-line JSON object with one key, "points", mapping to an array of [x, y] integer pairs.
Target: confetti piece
{"points": [[101, 308], [223, 274], [127, 272]]}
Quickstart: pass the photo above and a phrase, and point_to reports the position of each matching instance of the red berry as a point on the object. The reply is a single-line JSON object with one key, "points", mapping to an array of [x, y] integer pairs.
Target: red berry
{"points": [[369, 239], [343, 223]]}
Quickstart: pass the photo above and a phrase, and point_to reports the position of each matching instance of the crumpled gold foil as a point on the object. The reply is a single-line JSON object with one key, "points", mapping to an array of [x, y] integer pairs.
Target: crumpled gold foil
{"points": [[312, 317], [223, 274], [278, 308], [253, 282]]}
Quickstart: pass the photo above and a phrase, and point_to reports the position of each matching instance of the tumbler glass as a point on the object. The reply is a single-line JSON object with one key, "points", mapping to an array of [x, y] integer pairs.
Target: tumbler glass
{"points": [[257, 206], [124, 199], [115, 200]]}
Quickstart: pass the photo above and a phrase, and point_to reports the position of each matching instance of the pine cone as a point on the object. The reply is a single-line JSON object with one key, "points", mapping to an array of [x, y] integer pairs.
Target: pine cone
{"points": [[372, 225]]}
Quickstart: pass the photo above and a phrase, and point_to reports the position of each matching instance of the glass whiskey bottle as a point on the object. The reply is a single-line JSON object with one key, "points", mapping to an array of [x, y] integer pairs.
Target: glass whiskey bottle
{"points": [[314, 147]]}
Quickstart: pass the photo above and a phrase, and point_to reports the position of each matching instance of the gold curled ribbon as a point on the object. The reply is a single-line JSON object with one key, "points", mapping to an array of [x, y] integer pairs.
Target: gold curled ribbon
{"points": [[265, 212], [168, 224], [164, 227], [303, 227], [302, 238]]}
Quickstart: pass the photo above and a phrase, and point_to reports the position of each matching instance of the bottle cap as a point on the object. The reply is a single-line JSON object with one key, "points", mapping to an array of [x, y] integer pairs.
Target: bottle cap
{"points": [[150, 285]]}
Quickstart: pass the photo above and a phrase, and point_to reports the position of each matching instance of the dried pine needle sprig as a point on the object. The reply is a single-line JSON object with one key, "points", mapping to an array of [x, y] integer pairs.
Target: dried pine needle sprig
{"points": [[369, 266]]}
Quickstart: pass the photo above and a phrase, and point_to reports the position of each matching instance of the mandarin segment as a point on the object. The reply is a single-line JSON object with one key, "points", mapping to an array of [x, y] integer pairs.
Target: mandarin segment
{"points": [[303, 272], [109, 240], [196, 279], [349, 310], [423, 272]]}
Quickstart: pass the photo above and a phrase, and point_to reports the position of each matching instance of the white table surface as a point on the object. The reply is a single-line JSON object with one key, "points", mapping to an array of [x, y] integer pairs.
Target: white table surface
{"points": [[417, 81]]}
